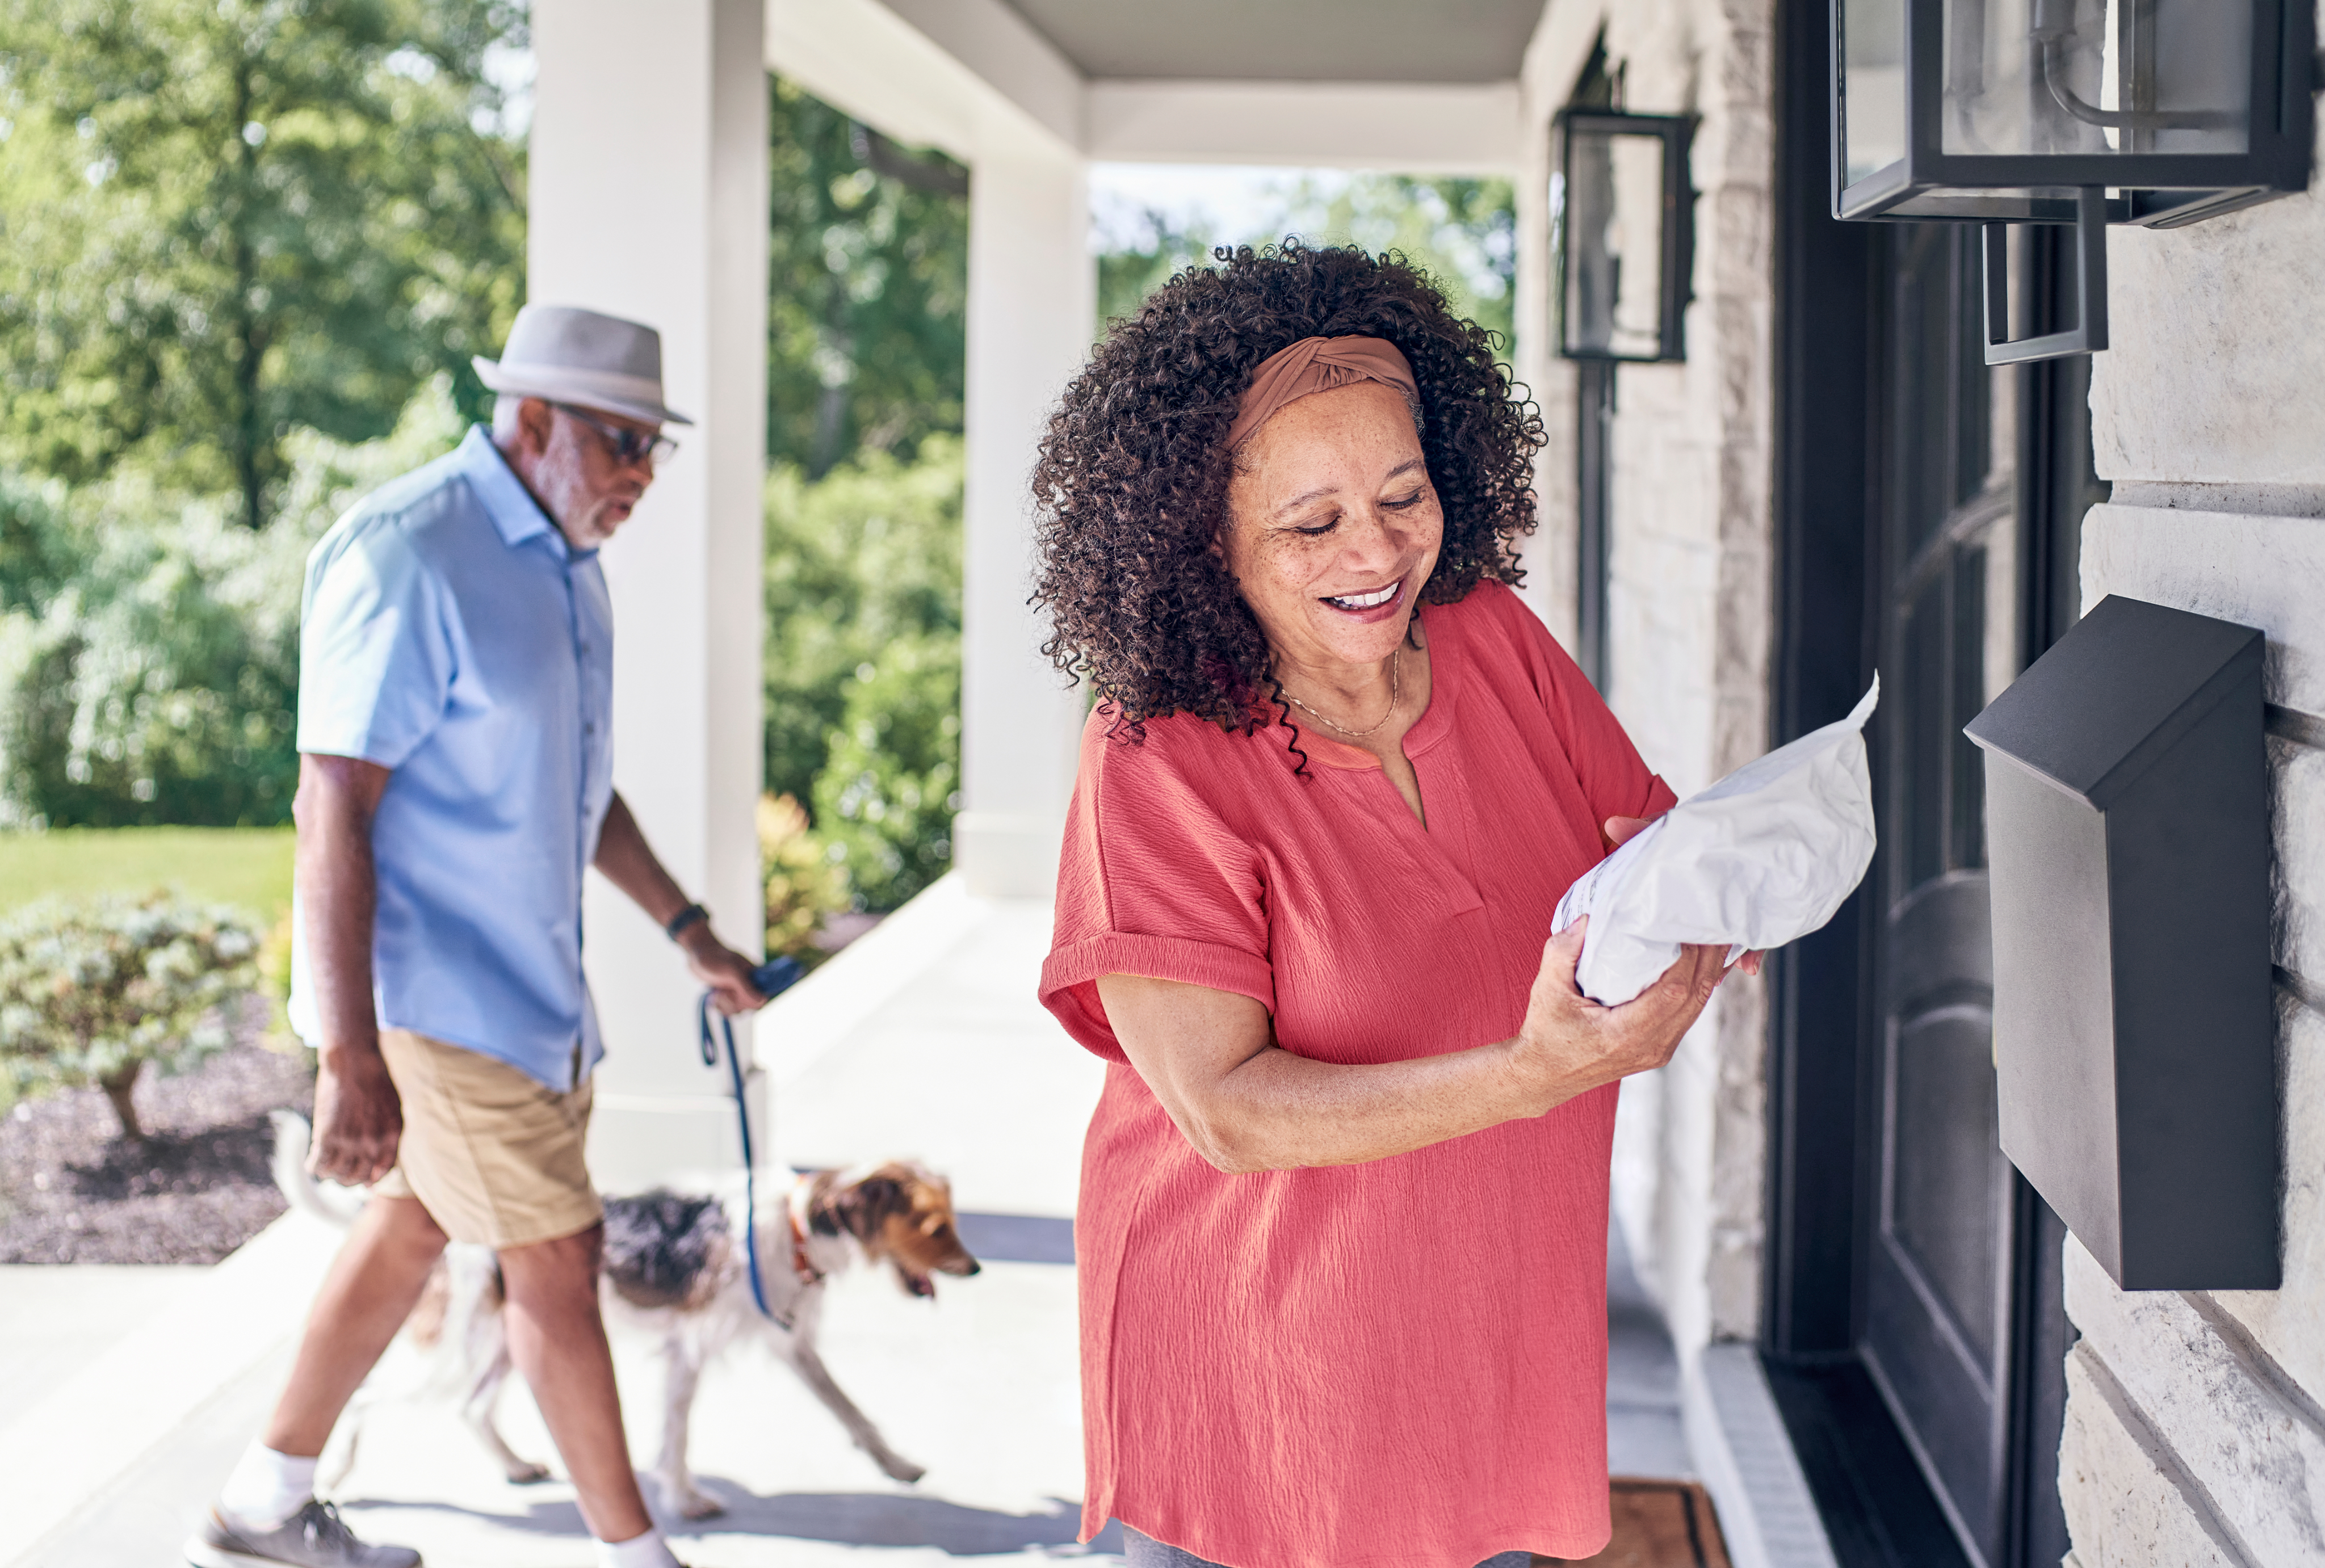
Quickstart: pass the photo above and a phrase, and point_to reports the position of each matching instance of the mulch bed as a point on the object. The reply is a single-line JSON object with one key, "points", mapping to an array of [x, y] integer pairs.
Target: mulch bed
{"points": [[73, 1190]]}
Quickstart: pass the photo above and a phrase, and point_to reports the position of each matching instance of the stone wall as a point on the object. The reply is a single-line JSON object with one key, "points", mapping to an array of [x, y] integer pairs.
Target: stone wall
{"points": [[2195, 1423], [1688, 618]]}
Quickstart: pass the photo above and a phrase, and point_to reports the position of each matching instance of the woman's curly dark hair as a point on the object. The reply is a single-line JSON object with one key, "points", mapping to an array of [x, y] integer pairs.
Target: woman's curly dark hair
{"points": [[1132, 483]]}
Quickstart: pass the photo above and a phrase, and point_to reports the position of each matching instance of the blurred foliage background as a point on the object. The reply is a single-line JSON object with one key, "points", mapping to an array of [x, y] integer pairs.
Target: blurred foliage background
{"points": [[247, 249], [224, 221]]}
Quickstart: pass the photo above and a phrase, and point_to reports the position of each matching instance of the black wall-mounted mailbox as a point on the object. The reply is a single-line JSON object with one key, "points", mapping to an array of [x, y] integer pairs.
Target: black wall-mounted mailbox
{"points": [[2135, 1030]]}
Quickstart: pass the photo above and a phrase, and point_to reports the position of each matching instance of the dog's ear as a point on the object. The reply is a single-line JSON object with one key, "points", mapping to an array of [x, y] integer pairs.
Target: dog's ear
{"points": [[871, 1204]]}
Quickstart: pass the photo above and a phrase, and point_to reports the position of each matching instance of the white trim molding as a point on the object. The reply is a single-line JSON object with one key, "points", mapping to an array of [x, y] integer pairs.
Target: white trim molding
{"points": [[1416, 127], [1737, 1440], [970, 77]]}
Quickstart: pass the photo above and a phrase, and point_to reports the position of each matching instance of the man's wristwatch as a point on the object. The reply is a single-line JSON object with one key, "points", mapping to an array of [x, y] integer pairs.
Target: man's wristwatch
{"points": [[691, 915]]}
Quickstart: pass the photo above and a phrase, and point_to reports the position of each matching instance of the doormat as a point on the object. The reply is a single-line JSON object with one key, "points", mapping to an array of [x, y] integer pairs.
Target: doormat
{"points": [[1659, 1524]]}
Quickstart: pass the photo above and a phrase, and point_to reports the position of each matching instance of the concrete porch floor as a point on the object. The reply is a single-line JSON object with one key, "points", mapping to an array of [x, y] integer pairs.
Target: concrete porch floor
{"points": [[924, 1040]]}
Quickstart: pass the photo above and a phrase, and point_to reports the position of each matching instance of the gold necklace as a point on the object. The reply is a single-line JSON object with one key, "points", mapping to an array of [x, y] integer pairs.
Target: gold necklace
{"points": [[1396, 689]]}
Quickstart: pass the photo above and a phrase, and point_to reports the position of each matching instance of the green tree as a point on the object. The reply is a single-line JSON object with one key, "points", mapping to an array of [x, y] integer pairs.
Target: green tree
{"points": [[864, 620], [149, 642], [1462, 232], [1163, 246], [221, 221], [868, 279], [891, 782]]}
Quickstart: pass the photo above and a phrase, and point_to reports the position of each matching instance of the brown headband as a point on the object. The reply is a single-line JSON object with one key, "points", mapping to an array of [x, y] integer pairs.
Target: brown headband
{"points": [[1315, 364]]}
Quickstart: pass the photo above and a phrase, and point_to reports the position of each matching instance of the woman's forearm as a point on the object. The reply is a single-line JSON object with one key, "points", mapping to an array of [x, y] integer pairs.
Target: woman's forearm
{"points": [[1280, 1112], [1246, 1104]]}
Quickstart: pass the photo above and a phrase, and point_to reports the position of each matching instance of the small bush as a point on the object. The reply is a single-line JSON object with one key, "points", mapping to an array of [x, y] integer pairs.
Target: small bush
{"points": [[863, 660], [888, 793], [805, 882], [91, 992], [149, 642], [274, 963]]}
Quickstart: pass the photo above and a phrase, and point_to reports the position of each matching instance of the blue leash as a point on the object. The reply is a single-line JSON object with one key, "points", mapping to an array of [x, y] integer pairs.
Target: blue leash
{"points": [[770, 979]]}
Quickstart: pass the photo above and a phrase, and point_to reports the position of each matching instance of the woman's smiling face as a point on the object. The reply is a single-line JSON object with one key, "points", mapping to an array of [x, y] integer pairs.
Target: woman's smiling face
{"points": [[1334, 526]]}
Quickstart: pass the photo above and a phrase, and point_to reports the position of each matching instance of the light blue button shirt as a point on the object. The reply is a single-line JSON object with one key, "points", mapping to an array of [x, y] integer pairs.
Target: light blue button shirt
{"points": [[451, 634]]}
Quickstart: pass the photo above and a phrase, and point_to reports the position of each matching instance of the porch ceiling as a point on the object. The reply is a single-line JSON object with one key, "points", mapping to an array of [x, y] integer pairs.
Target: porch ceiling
{"points": [[1342, 41]]}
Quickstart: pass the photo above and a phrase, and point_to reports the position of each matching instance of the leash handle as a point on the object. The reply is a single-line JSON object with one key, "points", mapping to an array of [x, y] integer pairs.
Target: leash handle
{"points": [[770, 979]]}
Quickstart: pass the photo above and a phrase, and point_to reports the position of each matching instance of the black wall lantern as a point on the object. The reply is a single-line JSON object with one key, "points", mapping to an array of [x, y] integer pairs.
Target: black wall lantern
{"points": [[2084, 112], [1624, 218]]}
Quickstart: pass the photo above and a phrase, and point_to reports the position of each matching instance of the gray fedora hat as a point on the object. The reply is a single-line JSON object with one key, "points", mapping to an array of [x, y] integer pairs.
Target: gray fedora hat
{"points": [[570, 355]]}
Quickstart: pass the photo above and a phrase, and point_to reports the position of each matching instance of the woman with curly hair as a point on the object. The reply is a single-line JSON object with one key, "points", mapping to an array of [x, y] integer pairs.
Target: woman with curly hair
{"points": [[1343, 1221]]}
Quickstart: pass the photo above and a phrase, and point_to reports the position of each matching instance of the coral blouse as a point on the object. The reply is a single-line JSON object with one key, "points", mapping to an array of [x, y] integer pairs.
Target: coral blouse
{"points": [[1401, 1362]]}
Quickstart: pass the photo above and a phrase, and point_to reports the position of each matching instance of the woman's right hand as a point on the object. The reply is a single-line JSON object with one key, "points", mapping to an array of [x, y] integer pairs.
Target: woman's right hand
{"points": [[1570, 1044]]}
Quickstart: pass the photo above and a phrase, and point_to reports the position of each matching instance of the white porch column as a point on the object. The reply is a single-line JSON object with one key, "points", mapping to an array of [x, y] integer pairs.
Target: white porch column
{"points": [[1032, 296], [649, 200]]}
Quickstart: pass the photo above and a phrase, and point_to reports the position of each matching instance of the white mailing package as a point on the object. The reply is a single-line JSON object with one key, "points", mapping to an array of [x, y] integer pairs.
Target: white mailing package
{"points": [[1761, 858]]}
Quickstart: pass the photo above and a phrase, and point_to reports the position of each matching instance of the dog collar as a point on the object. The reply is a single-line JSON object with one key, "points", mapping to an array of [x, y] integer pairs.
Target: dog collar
{"points": [[809, 1274]]}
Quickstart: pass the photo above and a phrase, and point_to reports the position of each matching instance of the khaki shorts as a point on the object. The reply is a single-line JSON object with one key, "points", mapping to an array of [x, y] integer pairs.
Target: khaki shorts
{"points": [[493, 1155]]}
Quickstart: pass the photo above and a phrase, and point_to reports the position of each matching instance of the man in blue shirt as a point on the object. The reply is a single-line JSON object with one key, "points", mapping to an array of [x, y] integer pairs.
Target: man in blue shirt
{"points": [[456, 781]]}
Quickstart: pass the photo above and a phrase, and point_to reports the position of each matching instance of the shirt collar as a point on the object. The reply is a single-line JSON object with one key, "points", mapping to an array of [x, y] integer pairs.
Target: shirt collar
{"points": [[511, 506]]}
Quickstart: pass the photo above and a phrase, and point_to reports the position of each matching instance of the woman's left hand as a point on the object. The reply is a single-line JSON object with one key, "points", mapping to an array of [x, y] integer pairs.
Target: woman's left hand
{"points": [[1621, 830]]}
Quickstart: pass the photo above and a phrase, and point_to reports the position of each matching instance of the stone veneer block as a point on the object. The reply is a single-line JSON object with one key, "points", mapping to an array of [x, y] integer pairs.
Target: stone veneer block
{"points": [[2123, 1489], [2288, 1323], [2297, 876], [2248, 1442], [2214, 366], [2267, 572]]}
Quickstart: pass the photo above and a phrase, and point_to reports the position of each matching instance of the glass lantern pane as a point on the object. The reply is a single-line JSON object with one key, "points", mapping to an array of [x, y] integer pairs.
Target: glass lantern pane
{"points": [[1873, 85], [2082, 77], [1614, 233]]}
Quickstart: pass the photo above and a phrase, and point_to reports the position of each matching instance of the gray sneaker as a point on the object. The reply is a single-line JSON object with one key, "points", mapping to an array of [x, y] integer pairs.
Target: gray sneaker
{"points": [[313, 1537]]}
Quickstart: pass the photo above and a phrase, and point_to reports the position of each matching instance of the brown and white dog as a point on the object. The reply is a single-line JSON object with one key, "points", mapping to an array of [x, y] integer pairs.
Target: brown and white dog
{"points": [[675, 1271]]}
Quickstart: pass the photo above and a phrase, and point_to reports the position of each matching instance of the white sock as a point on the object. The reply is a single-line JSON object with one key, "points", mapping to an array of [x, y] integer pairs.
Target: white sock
{"points": [[647, 1551], [267, 1488]]}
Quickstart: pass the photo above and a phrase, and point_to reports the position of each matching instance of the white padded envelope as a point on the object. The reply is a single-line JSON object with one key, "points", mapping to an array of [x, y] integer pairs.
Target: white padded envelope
{"points": [[1761, 858]]}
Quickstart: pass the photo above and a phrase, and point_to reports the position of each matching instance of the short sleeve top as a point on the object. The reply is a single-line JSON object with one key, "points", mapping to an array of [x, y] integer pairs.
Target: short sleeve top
{"points": [[1397, 1362], [449, 633]]}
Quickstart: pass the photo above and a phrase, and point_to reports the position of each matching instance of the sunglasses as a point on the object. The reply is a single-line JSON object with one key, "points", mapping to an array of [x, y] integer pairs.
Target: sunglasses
{"points": [[632, 448]]}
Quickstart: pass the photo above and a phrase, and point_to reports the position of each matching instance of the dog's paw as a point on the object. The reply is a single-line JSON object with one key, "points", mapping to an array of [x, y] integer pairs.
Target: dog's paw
{"points": [[699, 1505], [524, 1474], [899, 1468]]}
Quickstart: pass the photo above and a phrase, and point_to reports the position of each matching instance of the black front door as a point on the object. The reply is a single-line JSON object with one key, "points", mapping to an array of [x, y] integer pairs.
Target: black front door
{"points": [[1928, 511], [1938, 1279]]}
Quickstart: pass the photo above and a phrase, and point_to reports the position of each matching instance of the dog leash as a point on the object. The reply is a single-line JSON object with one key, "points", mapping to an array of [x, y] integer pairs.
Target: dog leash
{"points": [[770, 979]]}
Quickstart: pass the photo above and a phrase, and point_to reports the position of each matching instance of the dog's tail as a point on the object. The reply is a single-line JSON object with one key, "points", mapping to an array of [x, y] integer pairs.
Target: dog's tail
{"points": [[300, 1190]]}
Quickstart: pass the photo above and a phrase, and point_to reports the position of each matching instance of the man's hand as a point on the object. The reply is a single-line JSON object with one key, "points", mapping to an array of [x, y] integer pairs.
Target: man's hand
{"points": [[629, 863], [359, 1120], [1621, 830], [358, 1117], [725, 972]]}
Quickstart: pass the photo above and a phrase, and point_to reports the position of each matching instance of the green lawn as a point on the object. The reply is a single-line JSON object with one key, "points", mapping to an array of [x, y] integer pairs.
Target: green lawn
{"points": [[246, 866]]}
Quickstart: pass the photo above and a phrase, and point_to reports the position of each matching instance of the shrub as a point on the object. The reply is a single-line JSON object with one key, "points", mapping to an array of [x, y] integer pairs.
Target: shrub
{"points": [[91, 992], [274, 962], [805, 882], [149, 642], [890, 784], [863, 660]]}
